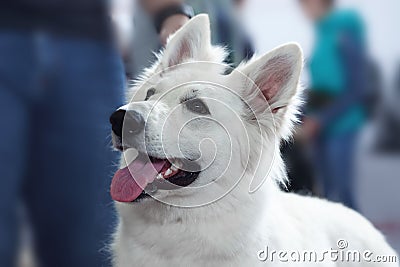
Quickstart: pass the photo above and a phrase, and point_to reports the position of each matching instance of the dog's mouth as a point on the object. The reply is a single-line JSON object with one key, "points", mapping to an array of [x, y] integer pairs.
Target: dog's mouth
{"points": [[145, 175]]}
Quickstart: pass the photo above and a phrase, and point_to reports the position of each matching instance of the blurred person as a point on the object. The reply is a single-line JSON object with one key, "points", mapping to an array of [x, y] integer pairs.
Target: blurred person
{"points": [[335, 108], [168, 16], [152, 22], [225, 23], [61, 77]]}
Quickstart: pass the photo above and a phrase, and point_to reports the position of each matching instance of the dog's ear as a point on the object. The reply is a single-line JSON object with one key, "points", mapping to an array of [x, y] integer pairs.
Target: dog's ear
{"points": [[192, 41], [271, 85]]}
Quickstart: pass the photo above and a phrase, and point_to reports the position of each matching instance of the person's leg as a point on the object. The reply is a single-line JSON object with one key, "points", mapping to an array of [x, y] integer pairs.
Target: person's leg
{"points": [[347, 189], [321, 167], [70, 206], [16, 70], [341, 161]]}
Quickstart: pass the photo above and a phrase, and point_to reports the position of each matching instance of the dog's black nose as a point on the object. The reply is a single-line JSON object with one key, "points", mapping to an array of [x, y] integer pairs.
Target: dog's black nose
{"points": [[131, 120]]}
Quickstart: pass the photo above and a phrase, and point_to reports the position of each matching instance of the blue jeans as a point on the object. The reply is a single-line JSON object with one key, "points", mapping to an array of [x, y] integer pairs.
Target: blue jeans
{"points": [[334, 157], [56, 94]]}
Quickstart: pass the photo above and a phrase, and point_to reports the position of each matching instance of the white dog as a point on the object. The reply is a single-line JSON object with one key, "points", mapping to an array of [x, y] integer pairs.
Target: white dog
{"points": [[203, 190]]}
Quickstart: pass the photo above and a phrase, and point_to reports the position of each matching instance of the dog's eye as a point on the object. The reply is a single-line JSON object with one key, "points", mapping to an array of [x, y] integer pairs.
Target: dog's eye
{"points": [[150, 92], [197, 106]]}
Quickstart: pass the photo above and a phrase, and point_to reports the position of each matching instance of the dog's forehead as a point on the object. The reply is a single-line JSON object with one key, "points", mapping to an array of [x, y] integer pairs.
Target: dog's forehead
{"points": [[180, 82], [186, 91]]}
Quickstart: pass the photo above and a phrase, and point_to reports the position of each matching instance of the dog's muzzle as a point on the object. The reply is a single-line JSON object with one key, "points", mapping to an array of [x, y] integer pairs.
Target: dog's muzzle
{"points": [[145, 174]]}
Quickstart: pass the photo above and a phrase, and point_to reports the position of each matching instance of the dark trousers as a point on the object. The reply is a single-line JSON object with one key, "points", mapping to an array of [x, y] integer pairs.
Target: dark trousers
{"points": [[56, 94], [334, 158]]}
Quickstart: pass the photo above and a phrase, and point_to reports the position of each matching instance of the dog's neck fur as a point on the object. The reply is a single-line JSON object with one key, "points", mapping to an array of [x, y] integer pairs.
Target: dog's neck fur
{"points": [[188, 232]]}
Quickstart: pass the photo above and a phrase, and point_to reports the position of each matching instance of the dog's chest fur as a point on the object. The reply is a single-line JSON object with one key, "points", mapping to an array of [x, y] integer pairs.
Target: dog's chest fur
{"points": [[295, 223]]}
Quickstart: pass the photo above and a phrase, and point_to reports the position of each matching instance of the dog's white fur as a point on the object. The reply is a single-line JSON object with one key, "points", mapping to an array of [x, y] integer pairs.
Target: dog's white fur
{"points": [[230, 231]]}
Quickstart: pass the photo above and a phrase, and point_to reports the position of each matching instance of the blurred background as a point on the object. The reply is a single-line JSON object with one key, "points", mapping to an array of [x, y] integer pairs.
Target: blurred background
{"points": [[64, 66]]}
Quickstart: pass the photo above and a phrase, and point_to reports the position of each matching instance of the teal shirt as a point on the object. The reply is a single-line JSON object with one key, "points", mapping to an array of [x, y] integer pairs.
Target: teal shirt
{"points": [[326, 65]]}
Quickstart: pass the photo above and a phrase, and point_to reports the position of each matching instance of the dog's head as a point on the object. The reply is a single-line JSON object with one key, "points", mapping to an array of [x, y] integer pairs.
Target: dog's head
{"points": [[203, 131]]}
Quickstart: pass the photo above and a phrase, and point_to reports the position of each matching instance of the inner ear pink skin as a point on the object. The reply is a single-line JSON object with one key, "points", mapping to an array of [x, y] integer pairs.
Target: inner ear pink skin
{"points": [[273, 76], [184, 52]]}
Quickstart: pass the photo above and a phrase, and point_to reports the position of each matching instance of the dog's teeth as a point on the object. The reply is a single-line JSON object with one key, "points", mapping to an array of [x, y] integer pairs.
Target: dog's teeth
{"points": [[151, 189], [178, 164], [168, 172], [159, 176]]}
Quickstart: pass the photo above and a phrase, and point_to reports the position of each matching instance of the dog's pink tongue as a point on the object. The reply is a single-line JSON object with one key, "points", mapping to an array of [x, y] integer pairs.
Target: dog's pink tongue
{"points": [[129, 182]]}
